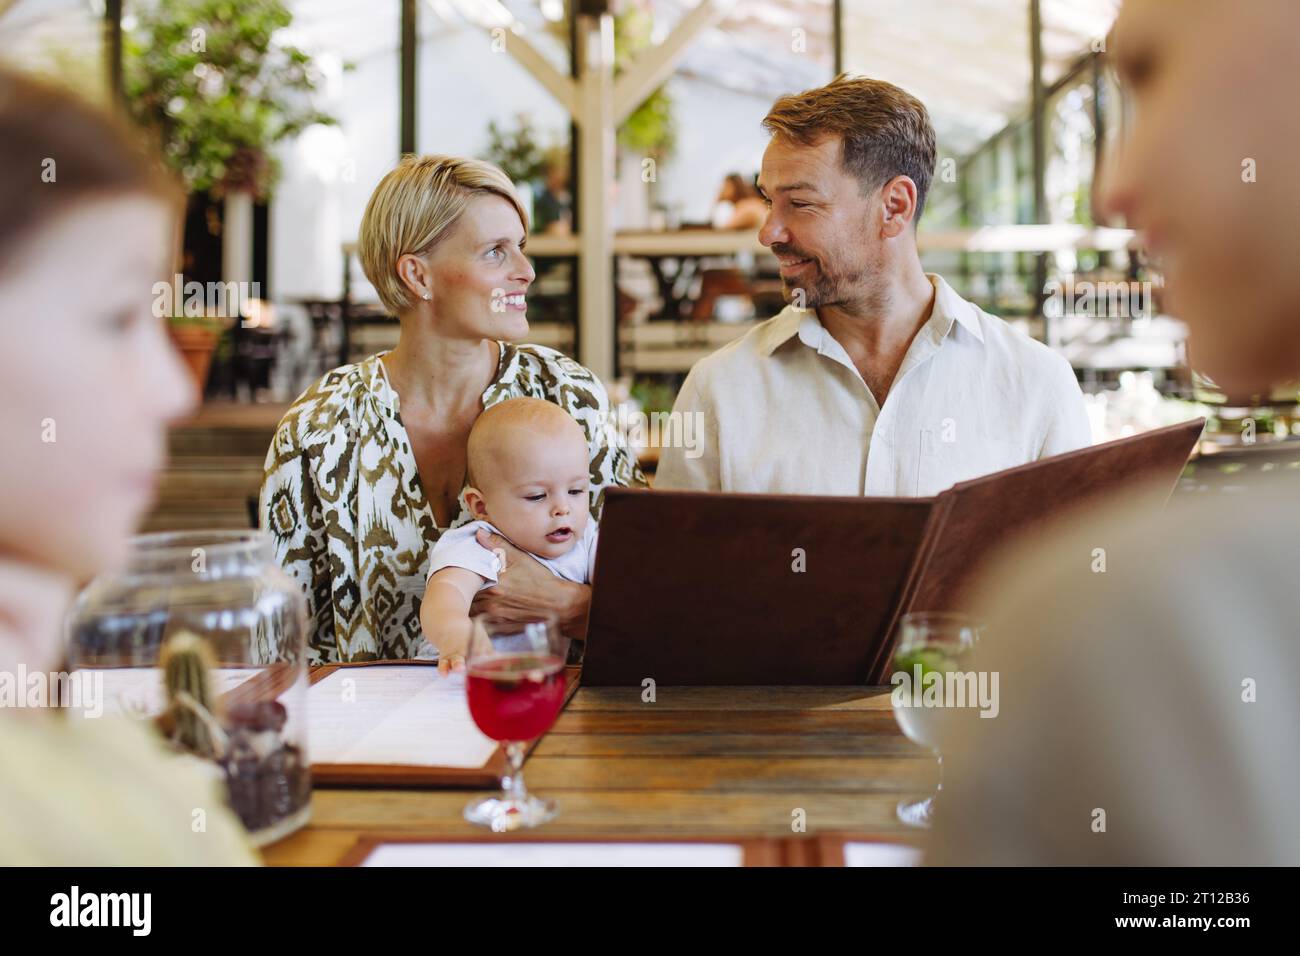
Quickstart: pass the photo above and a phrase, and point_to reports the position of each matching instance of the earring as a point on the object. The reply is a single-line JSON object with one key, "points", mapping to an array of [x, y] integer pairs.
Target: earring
{"points": [[428, 296]]}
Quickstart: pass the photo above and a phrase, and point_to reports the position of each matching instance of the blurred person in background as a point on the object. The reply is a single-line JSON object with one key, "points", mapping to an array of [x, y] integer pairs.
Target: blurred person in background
{"points": [[739, 205], [88, 382], [1149, 661], [553, 211]]}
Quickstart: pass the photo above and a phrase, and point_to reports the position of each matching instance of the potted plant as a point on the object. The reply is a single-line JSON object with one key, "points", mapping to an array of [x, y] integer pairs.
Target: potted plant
{"points": [[651, 129], [520, 156], [219, 86], [196, 337]]}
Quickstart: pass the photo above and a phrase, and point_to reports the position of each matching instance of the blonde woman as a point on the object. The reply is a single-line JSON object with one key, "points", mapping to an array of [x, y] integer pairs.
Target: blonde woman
{"points": [[367, 467]]}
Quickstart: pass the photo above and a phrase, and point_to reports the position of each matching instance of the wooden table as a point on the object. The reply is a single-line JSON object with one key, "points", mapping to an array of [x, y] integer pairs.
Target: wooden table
{"points": [[706, 761]]}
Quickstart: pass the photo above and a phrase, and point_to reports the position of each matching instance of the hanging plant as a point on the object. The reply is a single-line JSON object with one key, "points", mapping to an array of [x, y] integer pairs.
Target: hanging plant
{"points": [[651, 129], [218, 84]]}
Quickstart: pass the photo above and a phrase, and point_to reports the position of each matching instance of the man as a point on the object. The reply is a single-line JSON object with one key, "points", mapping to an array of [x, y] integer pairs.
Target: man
{"points": [[876, 379], [1150, 663]]}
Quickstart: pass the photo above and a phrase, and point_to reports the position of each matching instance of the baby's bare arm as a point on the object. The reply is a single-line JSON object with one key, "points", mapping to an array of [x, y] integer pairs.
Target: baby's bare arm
{"points": [[444, 614]]}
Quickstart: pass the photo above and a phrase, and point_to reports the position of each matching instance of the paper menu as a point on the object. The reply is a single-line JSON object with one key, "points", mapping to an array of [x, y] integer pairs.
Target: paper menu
{"points": [[394, 714], [556, 854]]}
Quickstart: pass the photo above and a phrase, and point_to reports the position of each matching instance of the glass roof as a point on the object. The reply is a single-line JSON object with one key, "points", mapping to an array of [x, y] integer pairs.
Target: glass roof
{"points": [[968, 60]]}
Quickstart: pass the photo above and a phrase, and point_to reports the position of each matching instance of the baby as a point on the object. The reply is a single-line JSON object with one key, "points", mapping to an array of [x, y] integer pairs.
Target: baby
{"points": [[528, 466]]}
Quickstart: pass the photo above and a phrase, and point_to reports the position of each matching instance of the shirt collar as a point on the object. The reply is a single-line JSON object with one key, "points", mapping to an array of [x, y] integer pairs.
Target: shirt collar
{"points": [[949, 308]]}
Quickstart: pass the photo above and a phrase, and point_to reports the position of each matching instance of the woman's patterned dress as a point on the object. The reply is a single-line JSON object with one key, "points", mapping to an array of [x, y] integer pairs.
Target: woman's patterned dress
{"points": [[342, 497]]}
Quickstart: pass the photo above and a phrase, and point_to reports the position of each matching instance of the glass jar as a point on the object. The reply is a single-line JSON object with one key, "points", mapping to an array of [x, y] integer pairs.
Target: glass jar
{"points": [[203, 633]]}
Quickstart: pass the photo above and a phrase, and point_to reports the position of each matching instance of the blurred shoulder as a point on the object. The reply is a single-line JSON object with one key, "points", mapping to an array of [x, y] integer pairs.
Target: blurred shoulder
{"points": [[1132, 570], [1145, 657], [107, 791]]}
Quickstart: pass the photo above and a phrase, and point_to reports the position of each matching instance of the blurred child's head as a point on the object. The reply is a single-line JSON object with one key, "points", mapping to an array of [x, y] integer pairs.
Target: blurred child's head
{"points": [[1206, 123], [89, 378], [528, 464]]}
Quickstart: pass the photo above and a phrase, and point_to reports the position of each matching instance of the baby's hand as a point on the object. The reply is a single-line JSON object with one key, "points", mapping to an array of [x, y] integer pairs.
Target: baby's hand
{"points": [[453, 641]]}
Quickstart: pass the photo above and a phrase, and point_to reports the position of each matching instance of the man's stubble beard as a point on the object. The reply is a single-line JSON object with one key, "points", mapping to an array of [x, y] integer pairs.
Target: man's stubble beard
{"points": [[827, 290]]}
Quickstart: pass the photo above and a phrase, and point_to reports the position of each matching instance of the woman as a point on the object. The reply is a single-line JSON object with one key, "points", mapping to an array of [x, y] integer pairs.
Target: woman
{"points": [[88, 381], [739, 205], [367, 467]]}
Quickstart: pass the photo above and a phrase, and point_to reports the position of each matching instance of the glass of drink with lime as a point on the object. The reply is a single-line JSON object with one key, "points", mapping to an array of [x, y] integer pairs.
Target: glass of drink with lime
{"points": [[933, 648]]}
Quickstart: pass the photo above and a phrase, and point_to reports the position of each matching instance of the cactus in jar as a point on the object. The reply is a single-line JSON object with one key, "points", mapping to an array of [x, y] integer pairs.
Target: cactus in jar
{"points": [[187, 664]]}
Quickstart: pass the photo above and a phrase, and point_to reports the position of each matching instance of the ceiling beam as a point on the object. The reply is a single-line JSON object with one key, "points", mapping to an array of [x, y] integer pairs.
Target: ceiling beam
{"points": [[653, 66], [557, 84]]}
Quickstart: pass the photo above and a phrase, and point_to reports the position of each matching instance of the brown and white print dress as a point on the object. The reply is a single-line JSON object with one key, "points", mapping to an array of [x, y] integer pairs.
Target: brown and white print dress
{"points": [[342, 498]]}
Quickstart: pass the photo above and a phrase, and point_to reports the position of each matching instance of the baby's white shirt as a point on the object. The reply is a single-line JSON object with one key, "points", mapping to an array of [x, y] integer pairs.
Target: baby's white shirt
{"points": [[458, 548]]}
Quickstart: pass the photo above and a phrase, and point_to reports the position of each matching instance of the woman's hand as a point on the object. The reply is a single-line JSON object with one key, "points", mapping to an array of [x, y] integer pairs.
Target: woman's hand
{"points": [[524, 587]]}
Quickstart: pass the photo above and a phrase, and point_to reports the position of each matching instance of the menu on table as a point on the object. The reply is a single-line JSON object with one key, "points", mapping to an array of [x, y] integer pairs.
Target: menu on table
{"points": [[394, 714]]}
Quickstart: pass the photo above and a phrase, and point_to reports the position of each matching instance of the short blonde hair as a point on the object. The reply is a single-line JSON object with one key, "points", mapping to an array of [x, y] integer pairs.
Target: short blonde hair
{"points": [[414, 207]]}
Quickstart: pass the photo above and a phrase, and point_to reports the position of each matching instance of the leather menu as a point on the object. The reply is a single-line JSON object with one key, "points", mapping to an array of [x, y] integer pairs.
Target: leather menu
{"points": [[696, 588]]}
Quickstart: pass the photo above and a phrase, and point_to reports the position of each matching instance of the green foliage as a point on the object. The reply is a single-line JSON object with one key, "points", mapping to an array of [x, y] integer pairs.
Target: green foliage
{"points": [[654, 396], [517, 150], [651, 129], [187, 664], [217, 85]]}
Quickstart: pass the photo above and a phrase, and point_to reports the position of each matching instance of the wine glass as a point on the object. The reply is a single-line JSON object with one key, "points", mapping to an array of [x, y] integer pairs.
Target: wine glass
{"points": [[930, 642], [515, 685]]}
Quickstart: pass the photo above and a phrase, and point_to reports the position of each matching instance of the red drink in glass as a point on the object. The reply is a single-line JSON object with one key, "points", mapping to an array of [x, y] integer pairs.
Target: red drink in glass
{"points": [[516, 697]]}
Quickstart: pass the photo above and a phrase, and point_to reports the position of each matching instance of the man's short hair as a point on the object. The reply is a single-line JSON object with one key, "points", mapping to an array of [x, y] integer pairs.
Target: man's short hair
{"points": [[885, 131]]}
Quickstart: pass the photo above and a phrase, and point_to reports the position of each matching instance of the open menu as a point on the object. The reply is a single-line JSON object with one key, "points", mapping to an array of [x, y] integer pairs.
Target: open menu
{"points": [[740, 584], [399, 723], [377, 850]]}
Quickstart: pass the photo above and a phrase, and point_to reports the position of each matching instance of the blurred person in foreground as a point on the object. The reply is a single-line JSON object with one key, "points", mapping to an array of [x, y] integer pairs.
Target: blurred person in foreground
{"points": [[1149, 660], [88, 382]]}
